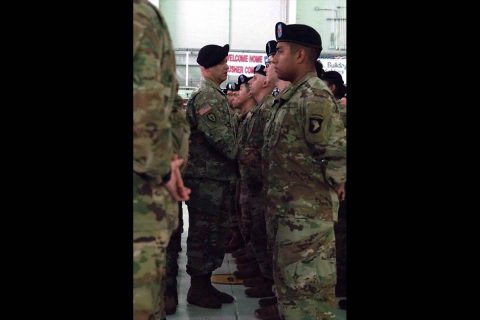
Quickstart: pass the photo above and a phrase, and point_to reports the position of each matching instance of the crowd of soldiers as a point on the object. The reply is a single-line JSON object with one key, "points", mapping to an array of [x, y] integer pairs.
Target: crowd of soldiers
{"points": [[266, 155]]}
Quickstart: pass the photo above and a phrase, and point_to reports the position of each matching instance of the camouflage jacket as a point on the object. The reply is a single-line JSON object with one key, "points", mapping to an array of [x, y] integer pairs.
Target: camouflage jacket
{"points": [[343, 113], [213, 141], [251, 140], [180, 129], [154, 91], [305, 149]]}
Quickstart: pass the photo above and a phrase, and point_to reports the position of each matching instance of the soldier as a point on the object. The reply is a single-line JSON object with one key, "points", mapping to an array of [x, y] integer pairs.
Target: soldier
{"points": [[269, 309], [211, 172], [243, 102], [180, 135], [304, 148], [251, 192], [280, 85], [234, 237], [157, 181], [335, 83], [231, 90]]}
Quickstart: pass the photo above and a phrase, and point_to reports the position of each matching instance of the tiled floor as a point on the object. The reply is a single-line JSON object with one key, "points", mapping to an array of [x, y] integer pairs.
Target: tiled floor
{"points": [[242, 309]]}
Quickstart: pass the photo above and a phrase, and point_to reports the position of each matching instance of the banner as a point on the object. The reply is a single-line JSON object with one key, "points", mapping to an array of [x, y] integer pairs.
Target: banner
{"points": [[244, 63], [336, 64]]}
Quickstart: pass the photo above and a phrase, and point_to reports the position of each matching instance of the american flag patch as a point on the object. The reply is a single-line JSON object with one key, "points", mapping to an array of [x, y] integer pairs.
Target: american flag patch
{"points": [[204, 110]]}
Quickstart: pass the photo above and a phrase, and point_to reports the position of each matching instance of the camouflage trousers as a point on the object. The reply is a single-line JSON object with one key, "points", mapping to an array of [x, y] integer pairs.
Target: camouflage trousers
{"points": [[208, 224], [174, 247], [233, 206], [304, 267], [233, 209], [169, 274], [252, 224], [154, 219]]}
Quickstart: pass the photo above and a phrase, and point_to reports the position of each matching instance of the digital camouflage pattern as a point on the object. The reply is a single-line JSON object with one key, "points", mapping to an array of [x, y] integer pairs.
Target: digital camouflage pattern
{"points": [[211, 174], [243, 219], [251, 182], [304, 152], [154, 91], [180, 130], [343, 114], [180, 136], [213, 147], [208, 225]]}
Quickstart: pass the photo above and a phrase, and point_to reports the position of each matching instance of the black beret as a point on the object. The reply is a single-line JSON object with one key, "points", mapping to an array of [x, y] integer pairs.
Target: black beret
{"points": [[260, 69], [243, 79], [271, 47], [211, 55], [319, 69], [298, 33], [333, 77], [232, 86]]}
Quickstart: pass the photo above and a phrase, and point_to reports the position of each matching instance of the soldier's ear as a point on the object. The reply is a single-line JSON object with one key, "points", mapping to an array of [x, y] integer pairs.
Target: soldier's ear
{"points": [[301, 55]]}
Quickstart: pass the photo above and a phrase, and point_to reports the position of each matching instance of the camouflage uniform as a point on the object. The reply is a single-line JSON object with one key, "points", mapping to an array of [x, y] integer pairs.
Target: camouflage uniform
{"points": [[209, 174], [251, 186], [305, 152], [343, 113], [155, 87], [180, 136]]}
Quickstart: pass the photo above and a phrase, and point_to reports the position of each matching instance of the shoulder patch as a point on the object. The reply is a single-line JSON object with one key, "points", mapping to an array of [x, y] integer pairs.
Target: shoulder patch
{"points": [[211, 117], [315, 124]]}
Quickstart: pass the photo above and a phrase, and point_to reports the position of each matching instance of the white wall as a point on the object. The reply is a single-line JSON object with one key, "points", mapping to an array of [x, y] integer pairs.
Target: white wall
{"points": [[253, 22], [195, 23]]}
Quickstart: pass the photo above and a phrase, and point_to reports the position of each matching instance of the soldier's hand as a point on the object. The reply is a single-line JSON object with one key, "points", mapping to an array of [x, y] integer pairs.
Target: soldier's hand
{"points": [[340, 189], [183, 191], [343, 102], [175, 185]]}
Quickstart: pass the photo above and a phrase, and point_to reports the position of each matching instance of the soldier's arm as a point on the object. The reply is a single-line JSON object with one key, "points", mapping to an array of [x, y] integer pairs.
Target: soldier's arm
{"points": [[325, 133], [180, 129], [152, 141], [213, 122]]}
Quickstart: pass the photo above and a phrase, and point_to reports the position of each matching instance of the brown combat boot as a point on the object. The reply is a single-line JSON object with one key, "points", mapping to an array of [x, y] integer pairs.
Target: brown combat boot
{"points": [[247, 266], [267, 301], [252, 282], [268, 313], [260, 291], [246, 258], [200, 294], [222, 296], [170, 299], [246, 273], [170, 304]]}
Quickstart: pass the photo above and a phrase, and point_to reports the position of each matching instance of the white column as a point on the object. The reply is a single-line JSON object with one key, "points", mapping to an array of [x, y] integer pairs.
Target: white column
{"points": [[154, 2]]}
